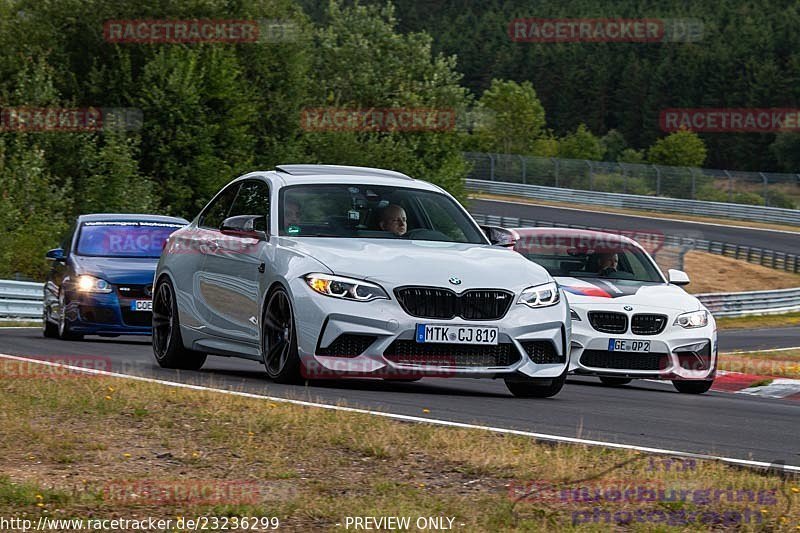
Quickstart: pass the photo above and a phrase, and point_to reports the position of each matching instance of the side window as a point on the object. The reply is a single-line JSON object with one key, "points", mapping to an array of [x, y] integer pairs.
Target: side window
{"points": [[442, 217], [215, 213], [253, 199]]}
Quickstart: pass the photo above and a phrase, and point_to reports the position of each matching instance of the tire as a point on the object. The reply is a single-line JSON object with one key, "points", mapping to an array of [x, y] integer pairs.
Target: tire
{"points": [[279, 339], [692, 387], [536, 388], [64, 332], [614, 382], [49, 330], [168, 345]]}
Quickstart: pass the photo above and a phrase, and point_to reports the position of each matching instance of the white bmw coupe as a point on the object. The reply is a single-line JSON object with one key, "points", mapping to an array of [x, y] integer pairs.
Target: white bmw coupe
{"points": [[628, 319]]}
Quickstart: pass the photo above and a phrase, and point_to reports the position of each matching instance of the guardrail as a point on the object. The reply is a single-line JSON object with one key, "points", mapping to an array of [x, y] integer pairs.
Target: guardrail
{"points": [[752, 302], [758, 256], [20, 300], [633, 201], [692, 183]]}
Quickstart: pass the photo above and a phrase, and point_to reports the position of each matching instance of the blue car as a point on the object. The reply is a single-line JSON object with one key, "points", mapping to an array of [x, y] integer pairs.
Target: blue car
{"points": [[101, 280]]}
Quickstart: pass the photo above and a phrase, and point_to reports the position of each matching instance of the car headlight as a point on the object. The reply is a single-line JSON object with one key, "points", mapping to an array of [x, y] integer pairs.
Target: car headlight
{"points": [[695, 319], [345, 288], [88, 283], [540, 295]]}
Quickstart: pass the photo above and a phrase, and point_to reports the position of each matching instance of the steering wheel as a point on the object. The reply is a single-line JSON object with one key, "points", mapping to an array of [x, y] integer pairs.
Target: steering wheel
{"points": [[427, 234]]}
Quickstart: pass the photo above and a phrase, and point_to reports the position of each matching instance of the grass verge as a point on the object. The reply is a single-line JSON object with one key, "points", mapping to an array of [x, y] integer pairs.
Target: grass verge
{"points": [[762, 321], [717, 273], [20, 324], [95, 447], [774, 363]]}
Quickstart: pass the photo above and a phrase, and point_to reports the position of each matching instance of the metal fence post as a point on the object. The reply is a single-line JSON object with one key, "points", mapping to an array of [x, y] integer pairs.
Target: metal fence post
{"points": [[694, 182], [658, 180], [522, 159], [491, 167], [730, 186], [591, 174], [766, 189], [555, 164]]}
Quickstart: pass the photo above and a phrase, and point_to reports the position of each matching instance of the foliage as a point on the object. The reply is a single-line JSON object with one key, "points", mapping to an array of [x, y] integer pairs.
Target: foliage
{"points": [[682, 149], [517, 119], [581, 144]]}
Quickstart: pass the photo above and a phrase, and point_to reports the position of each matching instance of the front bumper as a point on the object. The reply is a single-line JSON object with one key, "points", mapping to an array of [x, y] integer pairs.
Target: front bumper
{"points": [[105, 314], [675, 354], [339, 338]]}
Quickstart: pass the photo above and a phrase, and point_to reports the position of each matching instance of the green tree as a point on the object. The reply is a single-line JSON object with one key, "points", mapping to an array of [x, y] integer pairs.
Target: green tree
{"points": [[629, 155], [682, 148], [614, 144], [516, 118], [786, 149], [581, 144], [362, 61], [112, 182], [32, 209]]}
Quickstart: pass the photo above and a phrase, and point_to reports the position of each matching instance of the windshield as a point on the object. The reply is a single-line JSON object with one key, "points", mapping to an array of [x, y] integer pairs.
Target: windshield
{"points": [[584, 256], [375, 212], [124, 238]]}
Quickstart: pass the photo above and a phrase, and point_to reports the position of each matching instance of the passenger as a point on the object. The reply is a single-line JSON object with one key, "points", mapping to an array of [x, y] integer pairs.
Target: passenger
{"points": [[291, 213], [393, 218]]}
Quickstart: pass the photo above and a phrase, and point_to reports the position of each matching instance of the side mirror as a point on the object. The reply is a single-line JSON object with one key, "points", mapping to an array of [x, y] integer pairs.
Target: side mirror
{"points": [[677, 277], [248, 226], [498, 236], [56, 254]]}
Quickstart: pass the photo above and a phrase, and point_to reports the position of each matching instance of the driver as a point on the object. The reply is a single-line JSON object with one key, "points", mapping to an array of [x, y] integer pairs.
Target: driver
{"points": [[607, 263], [393, 218]]}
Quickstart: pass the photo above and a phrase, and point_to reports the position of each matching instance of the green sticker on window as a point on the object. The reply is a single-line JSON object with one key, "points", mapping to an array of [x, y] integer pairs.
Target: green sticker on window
{"points": [[293, 230]]}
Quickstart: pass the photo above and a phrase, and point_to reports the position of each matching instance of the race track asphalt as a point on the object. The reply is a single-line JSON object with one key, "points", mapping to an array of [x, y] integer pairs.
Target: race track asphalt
{"points": [[644, 414], [780, 241]]}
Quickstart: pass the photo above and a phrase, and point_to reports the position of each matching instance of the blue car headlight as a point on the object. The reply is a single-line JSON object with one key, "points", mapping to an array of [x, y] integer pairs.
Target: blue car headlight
{"points": [[345, 288], [88, 283]]}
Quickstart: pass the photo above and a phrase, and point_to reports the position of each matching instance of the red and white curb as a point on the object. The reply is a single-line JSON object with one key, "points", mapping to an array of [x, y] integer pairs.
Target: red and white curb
{"points": [[736, 382]]}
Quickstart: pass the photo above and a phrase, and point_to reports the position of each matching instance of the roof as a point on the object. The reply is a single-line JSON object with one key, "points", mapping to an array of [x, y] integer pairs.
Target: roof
{"points": [[125, 217], [339, 170]]}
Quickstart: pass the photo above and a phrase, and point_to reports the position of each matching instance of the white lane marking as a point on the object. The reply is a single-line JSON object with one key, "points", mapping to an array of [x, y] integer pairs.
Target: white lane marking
{"points": [[418, 419], [19, 327], [763, 351], [641, 216]]}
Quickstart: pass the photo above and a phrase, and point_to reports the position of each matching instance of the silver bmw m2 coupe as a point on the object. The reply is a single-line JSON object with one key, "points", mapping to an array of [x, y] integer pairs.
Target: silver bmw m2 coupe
{"points": [[322, 271]]}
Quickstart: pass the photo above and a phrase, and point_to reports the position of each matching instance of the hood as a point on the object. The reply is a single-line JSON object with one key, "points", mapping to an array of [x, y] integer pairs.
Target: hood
{"points": [[619, 292], [401, 262], [118, 270]]}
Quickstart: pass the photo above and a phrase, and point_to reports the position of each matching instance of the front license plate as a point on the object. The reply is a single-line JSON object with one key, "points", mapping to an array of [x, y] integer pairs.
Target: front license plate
{"points": [[456, 334], [628, 345], [142, 305]]}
